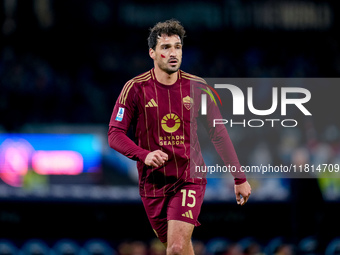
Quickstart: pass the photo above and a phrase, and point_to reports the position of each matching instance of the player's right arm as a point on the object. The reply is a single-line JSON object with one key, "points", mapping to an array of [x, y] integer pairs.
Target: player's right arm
{"points": [[156, 158], [119, 141], [122, 115]]}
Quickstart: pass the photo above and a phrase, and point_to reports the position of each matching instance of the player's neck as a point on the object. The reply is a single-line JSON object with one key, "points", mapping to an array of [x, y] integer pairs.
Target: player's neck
{"points": [[165, 78]]}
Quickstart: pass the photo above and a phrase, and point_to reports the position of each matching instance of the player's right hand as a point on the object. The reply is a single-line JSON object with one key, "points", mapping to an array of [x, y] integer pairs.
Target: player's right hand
{"points": [[156, 158]]}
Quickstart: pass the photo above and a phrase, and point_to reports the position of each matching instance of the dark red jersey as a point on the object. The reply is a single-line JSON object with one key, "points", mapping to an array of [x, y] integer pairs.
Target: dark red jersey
{"points": [[165, 118]]}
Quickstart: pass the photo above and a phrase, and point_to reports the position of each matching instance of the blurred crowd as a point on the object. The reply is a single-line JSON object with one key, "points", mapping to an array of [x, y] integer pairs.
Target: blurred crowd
{"points": [[66, 62], [55, 68], [215, 246], [58, 69]]}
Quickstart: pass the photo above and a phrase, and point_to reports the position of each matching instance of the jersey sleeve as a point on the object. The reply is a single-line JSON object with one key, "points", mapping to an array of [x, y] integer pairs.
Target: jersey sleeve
{"points": [[123, 111], [222, 142], [122, 115]]}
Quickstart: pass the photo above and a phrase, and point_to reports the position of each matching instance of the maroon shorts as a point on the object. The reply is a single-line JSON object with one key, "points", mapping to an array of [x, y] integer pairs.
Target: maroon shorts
{"points": [[184, 205]]}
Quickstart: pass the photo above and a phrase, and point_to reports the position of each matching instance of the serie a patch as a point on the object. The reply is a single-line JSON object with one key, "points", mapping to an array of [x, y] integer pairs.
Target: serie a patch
{"points": [[120, 114]]}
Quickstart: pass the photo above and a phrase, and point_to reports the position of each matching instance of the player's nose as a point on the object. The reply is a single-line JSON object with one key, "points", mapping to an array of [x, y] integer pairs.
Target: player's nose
{"points": [[173, 52]]}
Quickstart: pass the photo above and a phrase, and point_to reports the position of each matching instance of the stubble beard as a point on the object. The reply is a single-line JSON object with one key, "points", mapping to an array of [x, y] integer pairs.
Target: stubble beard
{"points": [[171, 70]]}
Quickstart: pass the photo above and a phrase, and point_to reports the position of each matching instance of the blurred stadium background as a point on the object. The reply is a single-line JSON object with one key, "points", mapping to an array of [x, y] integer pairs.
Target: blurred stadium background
{"points": [[62, 66]]}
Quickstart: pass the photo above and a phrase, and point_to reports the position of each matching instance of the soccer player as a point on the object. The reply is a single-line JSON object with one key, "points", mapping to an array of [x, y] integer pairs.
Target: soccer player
{"points": [[158, 104]]}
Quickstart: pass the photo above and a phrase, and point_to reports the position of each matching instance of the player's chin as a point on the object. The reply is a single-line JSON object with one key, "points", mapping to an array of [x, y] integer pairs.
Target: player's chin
{"points": [[172, 69]]}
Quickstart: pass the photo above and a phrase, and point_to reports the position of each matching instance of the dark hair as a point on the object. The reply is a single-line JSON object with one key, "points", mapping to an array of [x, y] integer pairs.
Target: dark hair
{"points": [[168, 27]]}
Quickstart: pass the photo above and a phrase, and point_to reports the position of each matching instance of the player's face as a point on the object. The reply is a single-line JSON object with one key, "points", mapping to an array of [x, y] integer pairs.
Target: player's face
{"points": [[168, 53]]}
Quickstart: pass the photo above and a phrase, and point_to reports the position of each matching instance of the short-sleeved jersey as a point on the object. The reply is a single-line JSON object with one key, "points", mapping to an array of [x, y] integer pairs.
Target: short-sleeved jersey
{"points": [[162, 120]]}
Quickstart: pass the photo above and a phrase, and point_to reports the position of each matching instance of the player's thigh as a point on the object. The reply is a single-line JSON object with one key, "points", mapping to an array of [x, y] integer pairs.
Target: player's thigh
{"points": [[179, 232]]}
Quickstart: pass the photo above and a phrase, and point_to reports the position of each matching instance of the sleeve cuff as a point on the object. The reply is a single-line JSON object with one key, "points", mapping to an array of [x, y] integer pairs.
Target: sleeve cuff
{"points": [[142, 155], [239, 181]]}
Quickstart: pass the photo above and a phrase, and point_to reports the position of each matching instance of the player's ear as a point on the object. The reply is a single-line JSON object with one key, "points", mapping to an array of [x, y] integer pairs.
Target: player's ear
{"points": [[152, 53]]}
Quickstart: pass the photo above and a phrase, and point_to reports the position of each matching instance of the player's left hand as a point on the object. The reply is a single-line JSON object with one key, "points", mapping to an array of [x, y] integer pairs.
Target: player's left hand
{"points": [[242, 192]]}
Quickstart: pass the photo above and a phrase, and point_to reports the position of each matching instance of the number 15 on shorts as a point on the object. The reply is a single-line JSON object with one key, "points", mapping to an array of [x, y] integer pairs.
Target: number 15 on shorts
{"points": [[188, 197]]}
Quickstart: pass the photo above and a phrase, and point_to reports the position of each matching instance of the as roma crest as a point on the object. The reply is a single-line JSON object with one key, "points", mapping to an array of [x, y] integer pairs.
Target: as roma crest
{"points": [[188, 102]]}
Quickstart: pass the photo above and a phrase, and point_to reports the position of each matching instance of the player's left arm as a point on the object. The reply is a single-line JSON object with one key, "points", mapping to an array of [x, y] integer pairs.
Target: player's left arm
{"points": [[224, 147], [222, 142]]}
